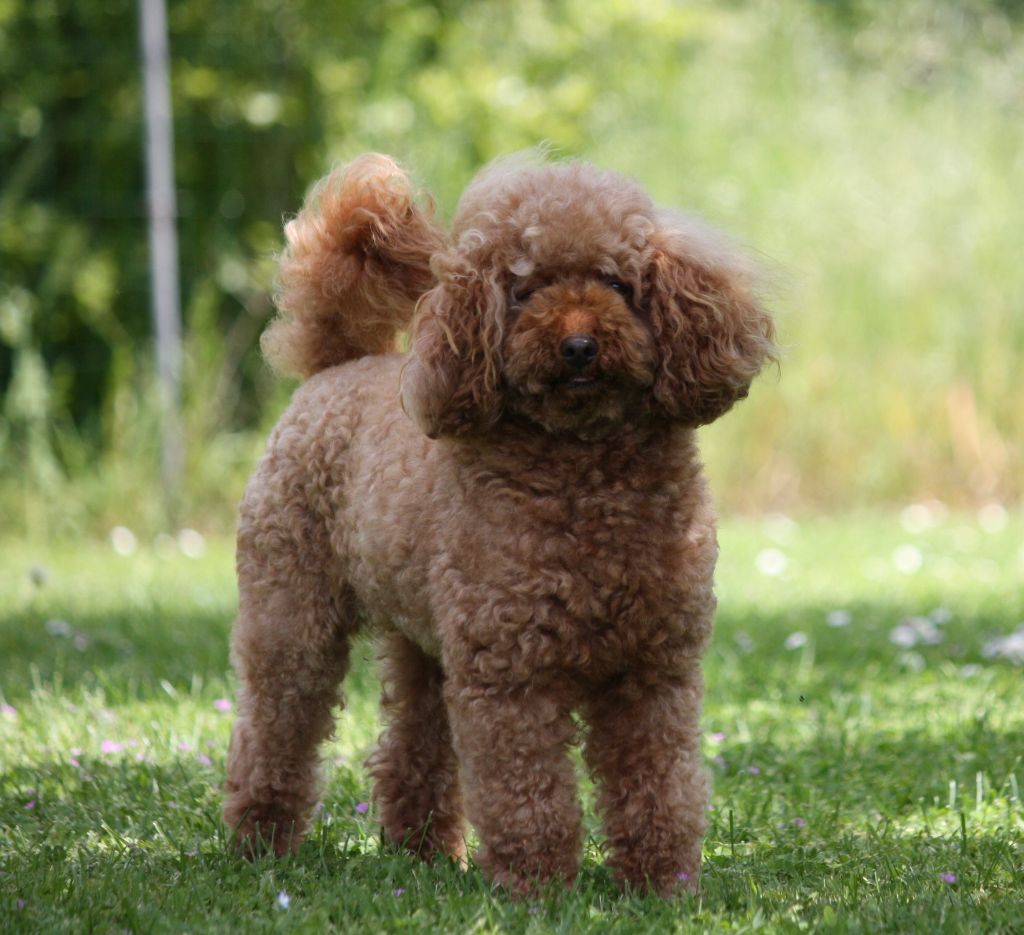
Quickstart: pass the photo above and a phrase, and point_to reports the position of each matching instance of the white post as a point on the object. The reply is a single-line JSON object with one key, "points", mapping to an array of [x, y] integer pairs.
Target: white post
{"points": [[163, 237]]}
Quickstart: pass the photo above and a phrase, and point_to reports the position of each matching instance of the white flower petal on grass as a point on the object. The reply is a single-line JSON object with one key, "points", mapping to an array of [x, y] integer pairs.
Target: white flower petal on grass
{"points": [[283, 900], [58, 627], [912, 661], [1010, 648], [796, 640], [191, 543], [941, 616], [123, 540], [779, 527], [908, 559], [992, 517], [903, 635], [918, 517], [839, 618], [771, 562], [915, 631]]}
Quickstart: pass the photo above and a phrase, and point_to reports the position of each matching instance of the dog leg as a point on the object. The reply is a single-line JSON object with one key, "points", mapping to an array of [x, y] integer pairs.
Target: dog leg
{"points": [[519, 783], [290, 650], [414, 767], [643, 749]]}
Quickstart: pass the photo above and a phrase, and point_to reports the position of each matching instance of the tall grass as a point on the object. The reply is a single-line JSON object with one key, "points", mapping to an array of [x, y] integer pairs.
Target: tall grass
{"points": [[872, 152], [879, 171]]}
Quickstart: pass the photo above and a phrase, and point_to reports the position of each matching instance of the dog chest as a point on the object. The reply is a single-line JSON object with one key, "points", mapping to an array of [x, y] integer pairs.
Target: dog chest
{"points": [[584, 582]]}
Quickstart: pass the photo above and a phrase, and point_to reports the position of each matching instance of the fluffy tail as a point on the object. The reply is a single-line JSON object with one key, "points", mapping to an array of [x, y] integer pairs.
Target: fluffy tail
{"points": [[357, 261]]}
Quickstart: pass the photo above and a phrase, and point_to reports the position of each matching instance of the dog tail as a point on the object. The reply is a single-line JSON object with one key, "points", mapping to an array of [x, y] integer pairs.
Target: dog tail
{"points": [[356, 262]]}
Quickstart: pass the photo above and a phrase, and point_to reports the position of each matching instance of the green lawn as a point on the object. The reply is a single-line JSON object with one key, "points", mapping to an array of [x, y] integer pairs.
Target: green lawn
{"points": [[864, 726]]}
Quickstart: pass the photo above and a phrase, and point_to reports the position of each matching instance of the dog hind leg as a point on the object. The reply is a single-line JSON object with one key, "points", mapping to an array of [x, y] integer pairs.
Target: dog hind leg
{"points": [[416, 780], [290, 650]]}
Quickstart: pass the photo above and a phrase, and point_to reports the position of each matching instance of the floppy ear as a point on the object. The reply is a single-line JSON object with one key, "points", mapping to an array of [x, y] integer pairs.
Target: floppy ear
{"points": [[713, 333], [450, 384]]}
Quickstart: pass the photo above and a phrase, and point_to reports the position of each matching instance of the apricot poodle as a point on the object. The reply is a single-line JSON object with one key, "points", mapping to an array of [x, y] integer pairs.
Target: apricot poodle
{"points": [[515, 508]]}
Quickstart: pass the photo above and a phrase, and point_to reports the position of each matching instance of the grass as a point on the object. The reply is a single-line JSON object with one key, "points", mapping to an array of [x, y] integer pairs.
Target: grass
{"points": [[850, 773]]}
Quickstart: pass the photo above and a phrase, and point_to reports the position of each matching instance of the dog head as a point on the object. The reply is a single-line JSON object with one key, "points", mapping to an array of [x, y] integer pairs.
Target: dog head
{"points": [[569, 301]]}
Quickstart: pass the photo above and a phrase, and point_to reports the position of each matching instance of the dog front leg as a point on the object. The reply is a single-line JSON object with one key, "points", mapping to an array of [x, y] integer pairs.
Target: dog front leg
{"points": [[518, 781], [643, 750]]}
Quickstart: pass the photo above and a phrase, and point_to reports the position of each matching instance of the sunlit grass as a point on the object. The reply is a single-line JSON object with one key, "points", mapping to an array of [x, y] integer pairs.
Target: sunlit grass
{"points": [[859, 783]]}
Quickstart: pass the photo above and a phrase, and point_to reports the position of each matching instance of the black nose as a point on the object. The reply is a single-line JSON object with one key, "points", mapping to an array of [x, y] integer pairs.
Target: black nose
{"points": [[579, 351]]}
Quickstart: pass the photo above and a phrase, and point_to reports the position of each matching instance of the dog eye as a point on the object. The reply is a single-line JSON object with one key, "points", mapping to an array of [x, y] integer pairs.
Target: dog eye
{"points": [[523, 295], [621, 288]]}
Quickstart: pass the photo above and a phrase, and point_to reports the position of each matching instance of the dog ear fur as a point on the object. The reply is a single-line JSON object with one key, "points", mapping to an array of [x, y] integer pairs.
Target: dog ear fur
{"points": [[711, 327], [450, 384]]}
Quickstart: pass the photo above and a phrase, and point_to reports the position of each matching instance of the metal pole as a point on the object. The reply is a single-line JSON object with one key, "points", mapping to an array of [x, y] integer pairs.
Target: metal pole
{"points": [[163, 238]]}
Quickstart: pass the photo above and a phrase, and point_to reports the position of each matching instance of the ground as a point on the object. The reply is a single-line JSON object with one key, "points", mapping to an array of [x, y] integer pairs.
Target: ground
{"points": [[863, 727]]}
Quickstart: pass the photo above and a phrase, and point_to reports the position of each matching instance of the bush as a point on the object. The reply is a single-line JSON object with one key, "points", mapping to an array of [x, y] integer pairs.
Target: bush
{"points": [[872, 150]]}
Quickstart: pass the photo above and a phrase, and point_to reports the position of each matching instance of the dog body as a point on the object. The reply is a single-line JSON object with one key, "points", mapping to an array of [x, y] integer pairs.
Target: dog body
{"points": [[515, 508]]}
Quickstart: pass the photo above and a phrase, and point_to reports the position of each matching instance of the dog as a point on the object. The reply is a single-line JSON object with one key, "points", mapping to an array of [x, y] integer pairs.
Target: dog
{"points": [[515, 508]]}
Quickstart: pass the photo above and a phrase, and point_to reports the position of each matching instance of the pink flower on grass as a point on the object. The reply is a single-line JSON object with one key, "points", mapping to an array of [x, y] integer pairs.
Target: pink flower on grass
{"points": [[111, 746], [222, 704], [718, 736], [362, 807], [31, 804], [754, 770], [948, 877], [799, 822], [8, 710], [75, 762], [204, 759], [399, 891]]}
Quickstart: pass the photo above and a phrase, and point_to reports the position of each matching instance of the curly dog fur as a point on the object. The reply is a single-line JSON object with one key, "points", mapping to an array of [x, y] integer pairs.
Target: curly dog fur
{"points": [[515, 508]]}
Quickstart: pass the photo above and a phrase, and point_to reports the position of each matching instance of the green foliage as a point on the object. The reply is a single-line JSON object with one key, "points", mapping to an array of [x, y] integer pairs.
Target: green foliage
{"points": [[870, 149], [850, 773]]}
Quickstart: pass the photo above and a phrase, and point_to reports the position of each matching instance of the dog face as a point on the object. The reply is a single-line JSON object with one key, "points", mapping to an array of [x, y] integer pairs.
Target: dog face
{"points": [[569, 300], [577, 356]]}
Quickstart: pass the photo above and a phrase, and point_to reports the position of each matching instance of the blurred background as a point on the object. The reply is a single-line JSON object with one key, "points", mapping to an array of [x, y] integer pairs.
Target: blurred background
{"points": [[871, 151]]}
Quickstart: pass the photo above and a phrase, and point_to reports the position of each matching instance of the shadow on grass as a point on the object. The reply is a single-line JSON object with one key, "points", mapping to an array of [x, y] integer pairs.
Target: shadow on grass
{"points": [[126, 653], [141, 845], [129, 653]]}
